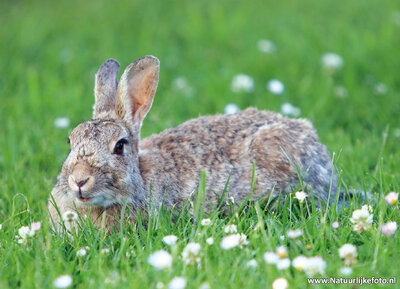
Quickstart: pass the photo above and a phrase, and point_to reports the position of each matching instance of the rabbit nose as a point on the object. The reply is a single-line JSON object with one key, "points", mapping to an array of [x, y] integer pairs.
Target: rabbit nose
{"points": [[81, 183], [80, 178]]}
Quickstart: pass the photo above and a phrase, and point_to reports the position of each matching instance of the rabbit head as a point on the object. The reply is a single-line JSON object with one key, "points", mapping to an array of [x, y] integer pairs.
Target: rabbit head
{"points": [[102, 167]]}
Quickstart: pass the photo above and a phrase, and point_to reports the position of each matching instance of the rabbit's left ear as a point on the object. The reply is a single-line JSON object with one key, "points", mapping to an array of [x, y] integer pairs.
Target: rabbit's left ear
{"points": [[136, 90], [105, 89]]}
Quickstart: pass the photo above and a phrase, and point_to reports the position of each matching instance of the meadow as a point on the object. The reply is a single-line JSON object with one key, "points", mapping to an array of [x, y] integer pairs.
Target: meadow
{"points": [[333, 62]]}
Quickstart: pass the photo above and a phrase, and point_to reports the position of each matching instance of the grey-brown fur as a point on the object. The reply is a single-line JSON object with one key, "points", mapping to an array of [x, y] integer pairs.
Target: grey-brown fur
{"points": [[172, 161]]}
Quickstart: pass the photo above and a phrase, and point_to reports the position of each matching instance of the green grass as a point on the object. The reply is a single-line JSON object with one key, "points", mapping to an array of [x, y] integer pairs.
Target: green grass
{"points": [[49, 54]]}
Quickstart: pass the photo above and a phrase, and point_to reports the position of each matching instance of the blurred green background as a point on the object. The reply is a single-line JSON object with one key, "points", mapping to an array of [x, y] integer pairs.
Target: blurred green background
{"points": [[51, 50]]}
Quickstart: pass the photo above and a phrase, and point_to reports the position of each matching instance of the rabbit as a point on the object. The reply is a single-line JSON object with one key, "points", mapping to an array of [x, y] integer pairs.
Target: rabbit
{"points": [[109, 165]]}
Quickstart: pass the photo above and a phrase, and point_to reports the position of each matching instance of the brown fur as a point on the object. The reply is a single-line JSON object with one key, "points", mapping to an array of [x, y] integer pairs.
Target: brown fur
{"points": [[171, 162]]}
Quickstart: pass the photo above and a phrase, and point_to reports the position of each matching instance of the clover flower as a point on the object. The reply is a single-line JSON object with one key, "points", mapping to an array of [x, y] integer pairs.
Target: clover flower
{"points": [[205, 222], [160, 259], [170, 240], [232, 241], [229, 229], [231, 108], [332, 61], [191, 253], [275, 86], [63, 281], [293, 234], [300, 196], [348, 252], [314, 265], [266, 46], [362, 218], [177, 283], [242, 83]]}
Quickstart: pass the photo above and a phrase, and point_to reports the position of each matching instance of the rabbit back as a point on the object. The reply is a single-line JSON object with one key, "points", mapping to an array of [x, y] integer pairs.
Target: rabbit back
{"points": [[228, 145]]}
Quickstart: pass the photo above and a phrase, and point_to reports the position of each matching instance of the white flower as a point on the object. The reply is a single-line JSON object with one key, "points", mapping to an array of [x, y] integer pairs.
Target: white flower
{"points": [[301, 196], [160, 285], [252, 263], [232, 241], [392, 198], [315, 265], [230, 201], [160, 259], [362, 219], [283, 264], [191, 252], [229, 229], [70, 216], [1, 226], [242, 83], [180, 83], [396, 132], [345, 271], [290, 110], [205, 222], [282, 237], [293, 234], [340, 91], [335, 225], [389, 228], [105, 251], [271, 258], [63, 281], [205, 285], [380, 88], [81, 253], [348, 252], [170, 240], [281, 251], [275, 86], [332, 61], [280, 283], [210, 241], [177, 283], [62, 122], [231, 108], [367, 208], [25, 232], [299, 262], [36, 226], [266, 46]]}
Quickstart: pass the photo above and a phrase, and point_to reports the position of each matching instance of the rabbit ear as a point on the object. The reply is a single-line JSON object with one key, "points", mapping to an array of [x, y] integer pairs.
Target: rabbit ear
{"points": [[105, 89], [136, 90]]}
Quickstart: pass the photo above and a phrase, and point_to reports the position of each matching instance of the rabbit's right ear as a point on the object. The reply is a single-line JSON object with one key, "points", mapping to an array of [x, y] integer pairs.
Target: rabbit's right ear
{"points": [[105, 89], [136, 90]]}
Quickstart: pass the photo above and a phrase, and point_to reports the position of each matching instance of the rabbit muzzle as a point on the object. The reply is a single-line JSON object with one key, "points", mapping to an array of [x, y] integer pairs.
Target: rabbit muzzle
{"points": [[81, 181]]}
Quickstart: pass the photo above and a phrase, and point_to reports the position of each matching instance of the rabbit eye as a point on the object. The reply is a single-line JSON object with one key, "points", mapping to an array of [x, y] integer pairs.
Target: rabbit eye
{"points": [[68, 140], [119, 146]]}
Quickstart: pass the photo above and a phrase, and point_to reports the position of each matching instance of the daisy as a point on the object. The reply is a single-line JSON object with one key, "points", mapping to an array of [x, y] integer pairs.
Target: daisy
{"points": [[389, 228], [392, 198]]}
